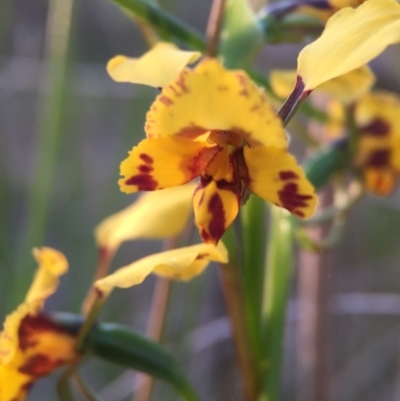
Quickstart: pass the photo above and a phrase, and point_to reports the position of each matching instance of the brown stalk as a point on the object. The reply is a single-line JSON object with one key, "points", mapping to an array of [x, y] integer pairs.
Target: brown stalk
{"points": [[155, 326], [214, 26], [314, 328], [233, 298], [104, 261]]}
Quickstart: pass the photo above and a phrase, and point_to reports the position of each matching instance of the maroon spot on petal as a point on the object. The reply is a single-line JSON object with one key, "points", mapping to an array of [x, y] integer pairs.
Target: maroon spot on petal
{"points": [[201, 256], [377, 127], [181, 81], [192, 131], [143, 181], [288, 175], [166, 100], [202, 159], [32, 326], [216, 228], [379, 158], [222, 88], [144, 168], [38, 365], [146, 158], [291, 199]]}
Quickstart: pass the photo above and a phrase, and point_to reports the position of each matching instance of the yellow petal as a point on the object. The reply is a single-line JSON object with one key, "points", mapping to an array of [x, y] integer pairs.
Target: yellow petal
{"points": [[345, 3], [181, 264], [275, 176], [377, 119], [210, 98], [216, 204], [160, 163], [17, 384], [52, 264], [159, 214], [158, 67], [352, 37], [346, 88]]}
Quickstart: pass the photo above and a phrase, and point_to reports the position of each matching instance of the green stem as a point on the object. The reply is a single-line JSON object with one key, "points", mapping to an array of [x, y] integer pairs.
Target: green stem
{"points": [[51, 115], [276, 286], [254, 234]]}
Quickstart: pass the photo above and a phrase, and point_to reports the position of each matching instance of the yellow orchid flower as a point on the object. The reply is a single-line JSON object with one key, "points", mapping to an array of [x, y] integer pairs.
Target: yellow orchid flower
{"points": [[217, 125], [158, 67], [178, 264], [346, 88], [377, 118], [352, 37], [160, 214], [31, 345]]}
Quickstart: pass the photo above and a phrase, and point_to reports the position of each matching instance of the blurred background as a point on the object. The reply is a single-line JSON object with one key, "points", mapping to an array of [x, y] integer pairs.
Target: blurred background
{"points": [[64, 128]]}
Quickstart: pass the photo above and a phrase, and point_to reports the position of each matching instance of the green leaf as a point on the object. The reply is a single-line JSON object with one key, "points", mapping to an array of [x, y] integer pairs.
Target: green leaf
{"points": [[118, 344], [241, 35], [279, 269], [164, 23], [253, 215]]}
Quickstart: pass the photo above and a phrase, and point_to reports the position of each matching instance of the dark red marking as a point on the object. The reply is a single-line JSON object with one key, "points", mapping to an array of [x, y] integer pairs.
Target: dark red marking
{"points": [[146, 158], [192, 131], [377, 127], [181, 82], [166, 100], [291, 199], [143, 181], [288, 175], [216, 227], [379, 158], [202, 159], [144, 168], [32, 326], [39, 365]]}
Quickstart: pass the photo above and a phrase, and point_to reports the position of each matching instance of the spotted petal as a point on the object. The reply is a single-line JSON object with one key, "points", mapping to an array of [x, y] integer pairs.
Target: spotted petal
{"points": [[158, 67], [216, 204], [159, 214], [210, 98], [352, 37], [31, 346], [179, 264], [274, 175], [52, 264], [159, 163]]}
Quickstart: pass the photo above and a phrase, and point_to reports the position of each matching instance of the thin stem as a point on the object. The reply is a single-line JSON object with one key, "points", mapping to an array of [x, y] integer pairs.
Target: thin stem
{"points": [[50, 119], [154, 331], [231, 285], [214, 27], [155, 326], [104, 261], [91, 318], [314, 324], [293, 101]]}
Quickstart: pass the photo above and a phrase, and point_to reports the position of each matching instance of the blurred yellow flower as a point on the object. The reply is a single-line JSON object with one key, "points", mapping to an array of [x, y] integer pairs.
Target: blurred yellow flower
{"points": [[377, 118], [158, 67], [160, 214], [217, 125], [352, 37], [178, 264], [31, 345]]}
